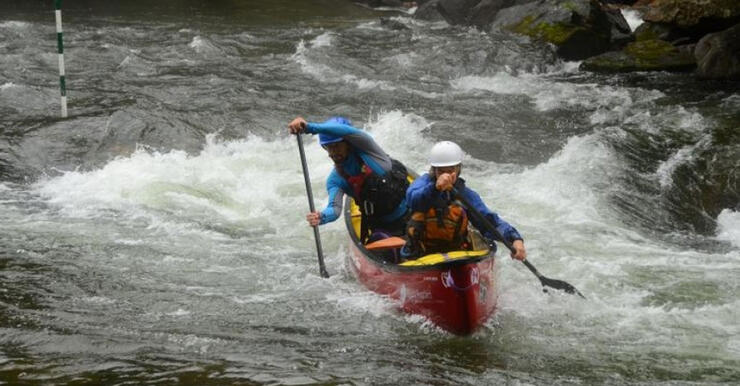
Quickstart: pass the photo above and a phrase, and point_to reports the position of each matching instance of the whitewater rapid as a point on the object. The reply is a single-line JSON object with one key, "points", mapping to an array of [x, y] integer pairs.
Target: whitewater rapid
{"points": [[159, 233]]}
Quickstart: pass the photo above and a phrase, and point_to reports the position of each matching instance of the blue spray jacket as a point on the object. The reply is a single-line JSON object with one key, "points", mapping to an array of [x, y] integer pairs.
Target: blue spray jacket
{"points": [[365, 147], [422, 193]]}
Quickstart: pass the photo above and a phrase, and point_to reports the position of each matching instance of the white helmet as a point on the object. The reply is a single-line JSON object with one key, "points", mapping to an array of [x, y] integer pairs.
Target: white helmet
{"points": [[445, 153]]}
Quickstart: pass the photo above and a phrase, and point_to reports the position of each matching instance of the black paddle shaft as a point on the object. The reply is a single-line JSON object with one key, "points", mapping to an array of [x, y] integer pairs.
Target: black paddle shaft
{"points": [[322, 267], [546, 282]]}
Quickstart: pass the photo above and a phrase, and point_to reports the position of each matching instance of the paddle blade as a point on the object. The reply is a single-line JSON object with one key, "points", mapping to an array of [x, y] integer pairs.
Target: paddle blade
{"points": [[561, 285]]}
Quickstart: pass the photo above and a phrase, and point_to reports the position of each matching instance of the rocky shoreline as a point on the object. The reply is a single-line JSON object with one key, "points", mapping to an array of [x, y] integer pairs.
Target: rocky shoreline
{"points": [[699, 36]]}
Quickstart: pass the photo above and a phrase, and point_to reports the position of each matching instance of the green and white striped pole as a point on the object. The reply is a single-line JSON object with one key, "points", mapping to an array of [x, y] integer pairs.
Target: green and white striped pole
{"points": [[60, 47]]}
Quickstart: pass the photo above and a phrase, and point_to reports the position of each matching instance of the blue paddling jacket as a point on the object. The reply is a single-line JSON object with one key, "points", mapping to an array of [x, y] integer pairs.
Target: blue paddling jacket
{"points": [[422, 194], [362, 147]]}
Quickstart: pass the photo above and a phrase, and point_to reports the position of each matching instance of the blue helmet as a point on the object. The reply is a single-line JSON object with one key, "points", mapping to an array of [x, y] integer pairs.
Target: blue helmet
{"points": [[325, 139]]}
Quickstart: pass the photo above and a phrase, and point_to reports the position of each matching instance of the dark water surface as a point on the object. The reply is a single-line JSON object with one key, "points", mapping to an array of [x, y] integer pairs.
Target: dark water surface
{"points": [[157, 234]]}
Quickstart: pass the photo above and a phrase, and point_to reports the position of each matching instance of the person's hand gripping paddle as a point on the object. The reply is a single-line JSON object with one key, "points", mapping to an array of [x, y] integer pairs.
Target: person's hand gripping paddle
{"points": [[546, 282], [322, 267]]}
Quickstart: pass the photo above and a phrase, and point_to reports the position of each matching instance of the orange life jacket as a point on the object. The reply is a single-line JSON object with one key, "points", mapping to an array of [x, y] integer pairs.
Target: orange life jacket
{"points": [[438, 229]]}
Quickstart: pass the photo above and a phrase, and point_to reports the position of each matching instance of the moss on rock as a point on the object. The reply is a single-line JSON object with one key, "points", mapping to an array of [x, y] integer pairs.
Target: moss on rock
{"points": [[578, 28], [555, 33], [647, 55], [650, 31], [649, 50]]}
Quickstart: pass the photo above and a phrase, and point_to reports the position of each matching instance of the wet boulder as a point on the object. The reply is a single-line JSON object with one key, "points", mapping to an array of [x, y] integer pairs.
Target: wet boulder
{"points": [[701, 16], [675, 34], [479, 13], [456, 12], [578, 28], [646, 55], [650, 31], [718, 55], [686, 21], [484, 12]]}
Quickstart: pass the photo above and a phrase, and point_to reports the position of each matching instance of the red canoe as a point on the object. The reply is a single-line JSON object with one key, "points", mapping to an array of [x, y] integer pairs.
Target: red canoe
{"points": [[457, 291]]}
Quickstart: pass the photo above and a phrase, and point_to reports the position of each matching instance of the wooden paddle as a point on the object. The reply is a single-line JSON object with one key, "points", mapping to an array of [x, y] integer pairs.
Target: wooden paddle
{"points": [[546, 282], [322, 268]]}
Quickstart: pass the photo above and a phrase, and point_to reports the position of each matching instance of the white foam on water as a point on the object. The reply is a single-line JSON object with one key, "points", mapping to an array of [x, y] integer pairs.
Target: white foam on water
{"points": [[370, 25], [304, 56], [728, 226], [176, 260], [351, 301], [405, 60], [682, 156], [408, 11], [250, 186], [326, 39], [400, 135], [549, 95], [633, 18], [197, 42], [254, 298], [314, 69], [189, 341], [99, 300], [7, 85], [228, 182], [130, 242], [501, 83], [563, 186], [563, 211], [671, 118], [731, 102], [690, 121], [178, 312], [13, 24], [561, 208], [135, 63], [203, 45], [364, 84]]}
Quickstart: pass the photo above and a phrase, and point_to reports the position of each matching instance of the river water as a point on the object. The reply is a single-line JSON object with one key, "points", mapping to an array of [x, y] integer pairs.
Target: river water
{"points": [[157, 234]]}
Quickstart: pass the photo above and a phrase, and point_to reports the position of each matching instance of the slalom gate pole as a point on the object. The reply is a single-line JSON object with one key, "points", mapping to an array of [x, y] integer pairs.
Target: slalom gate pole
{"points": [[60, 47]]}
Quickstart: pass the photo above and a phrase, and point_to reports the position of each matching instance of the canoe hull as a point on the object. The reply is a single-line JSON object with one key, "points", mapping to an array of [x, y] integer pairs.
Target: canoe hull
{"points": [[457, 296]]}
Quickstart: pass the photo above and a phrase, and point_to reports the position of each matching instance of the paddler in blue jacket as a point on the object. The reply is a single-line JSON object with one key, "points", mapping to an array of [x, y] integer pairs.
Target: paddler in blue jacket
{"points": [[437, 223], [362, 171]]}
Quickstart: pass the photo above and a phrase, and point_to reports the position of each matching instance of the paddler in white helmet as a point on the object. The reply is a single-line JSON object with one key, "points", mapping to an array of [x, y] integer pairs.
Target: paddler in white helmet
{"points": [[438, 223]]}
